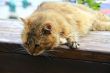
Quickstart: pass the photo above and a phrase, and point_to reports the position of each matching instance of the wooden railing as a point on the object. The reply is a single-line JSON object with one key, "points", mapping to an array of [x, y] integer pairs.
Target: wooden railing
{"points": [[93, 56], [95, 46]]}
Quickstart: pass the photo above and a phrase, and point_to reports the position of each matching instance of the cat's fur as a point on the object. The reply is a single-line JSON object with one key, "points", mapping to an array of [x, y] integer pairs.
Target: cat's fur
{"points": [[52, 23]]}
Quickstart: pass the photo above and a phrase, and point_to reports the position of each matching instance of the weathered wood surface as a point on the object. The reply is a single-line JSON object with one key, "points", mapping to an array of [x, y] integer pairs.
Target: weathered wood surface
{"points": [[10, 31], [95, 46]]}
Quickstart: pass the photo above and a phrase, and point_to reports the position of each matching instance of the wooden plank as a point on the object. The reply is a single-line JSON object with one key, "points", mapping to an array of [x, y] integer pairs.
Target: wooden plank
{"points": [[93, 47], [17, 63], [10, 31]]}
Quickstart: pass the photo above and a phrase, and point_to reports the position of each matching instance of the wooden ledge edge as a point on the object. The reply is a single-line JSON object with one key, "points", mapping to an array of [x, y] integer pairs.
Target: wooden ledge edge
{"points": [[62, 52]]}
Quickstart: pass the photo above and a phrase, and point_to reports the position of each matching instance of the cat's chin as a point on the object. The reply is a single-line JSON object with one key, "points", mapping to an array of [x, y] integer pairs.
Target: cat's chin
{"points": [[39, 53]]}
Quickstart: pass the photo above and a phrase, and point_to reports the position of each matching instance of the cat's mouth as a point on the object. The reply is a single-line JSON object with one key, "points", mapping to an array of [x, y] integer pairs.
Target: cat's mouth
{"points": [[39, 53], [37, 50]]}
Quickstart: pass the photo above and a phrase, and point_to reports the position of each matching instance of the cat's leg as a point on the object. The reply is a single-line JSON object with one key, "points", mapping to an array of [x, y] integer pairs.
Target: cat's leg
{"points": [[69, 36], [72, 41], [101, 26]]}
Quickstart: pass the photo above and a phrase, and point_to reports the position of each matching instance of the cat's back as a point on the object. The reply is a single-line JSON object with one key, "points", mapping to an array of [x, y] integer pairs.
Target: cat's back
{"points": [[64, 7]]}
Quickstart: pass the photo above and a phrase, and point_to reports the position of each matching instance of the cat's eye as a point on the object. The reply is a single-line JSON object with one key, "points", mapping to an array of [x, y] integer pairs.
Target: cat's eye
{"points": [[37, 45]]}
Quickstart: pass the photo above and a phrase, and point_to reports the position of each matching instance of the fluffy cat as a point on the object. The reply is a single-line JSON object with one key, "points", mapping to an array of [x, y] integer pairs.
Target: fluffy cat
{"points": [[53, 23]]}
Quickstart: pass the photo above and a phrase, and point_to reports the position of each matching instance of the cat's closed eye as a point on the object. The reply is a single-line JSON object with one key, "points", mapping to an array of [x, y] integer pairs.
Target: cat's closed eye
{"points": [[37, 45]]}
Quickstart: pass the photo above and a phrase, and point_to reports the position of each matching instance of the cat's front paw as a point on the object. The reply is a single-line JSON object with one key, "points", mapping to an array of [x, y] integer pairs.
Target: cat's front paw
{"points": [[73, 45]]}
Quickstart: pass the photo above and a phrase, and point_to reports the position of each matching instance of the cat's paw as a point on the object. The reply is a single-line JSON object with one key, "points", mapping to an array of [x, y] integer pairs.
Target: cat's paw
{"points": [[73, 45]]}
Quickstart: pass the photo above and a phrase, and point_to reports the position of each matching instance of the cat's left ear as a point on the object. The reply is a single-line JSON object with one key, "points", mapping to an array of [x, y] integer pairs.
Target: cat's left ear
{"points": [[47, 29], [23, 20]]}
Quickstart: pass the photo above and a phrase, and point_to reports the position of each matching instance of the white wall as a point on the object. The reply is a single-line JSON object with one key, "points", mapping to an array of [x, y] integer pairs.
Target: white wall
{"points": [[20, 11]]}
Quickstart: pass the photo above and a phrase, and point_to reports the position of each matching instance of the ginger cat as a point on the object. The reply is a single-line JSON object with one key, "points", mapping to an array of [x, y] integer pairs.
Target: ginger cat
{"points": [[56, 23]]}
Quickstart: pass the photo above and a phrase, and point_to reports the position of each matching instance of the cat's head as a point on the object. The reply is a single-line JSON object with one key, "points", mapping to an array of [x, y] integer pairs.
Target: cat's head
{"points": [[38, 35]]}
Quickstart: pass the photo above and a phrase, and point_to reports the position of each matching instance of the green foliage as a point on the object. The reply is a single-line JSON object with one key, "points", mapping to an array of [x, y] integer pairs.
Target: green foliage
{"points": [[91, 3]]}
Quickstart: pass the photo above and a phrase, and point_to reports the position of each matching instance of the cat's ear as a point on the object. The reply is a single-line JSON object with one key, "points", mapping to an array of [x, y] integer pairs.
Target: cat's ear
{"points": [[47, 29], [24, 21]]}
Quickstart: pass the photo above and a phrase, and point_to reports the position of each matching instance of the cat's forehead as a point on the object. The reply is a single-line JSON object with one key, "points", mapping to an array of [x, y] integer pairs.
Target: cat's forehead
{"points": [[33, 23], [37, 16]]}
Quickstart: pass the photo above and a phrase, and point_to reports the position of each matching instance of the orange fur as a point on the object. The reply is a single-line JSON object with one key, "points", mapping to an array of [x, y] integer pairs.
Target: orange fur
{"points": [[52, 22]]}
